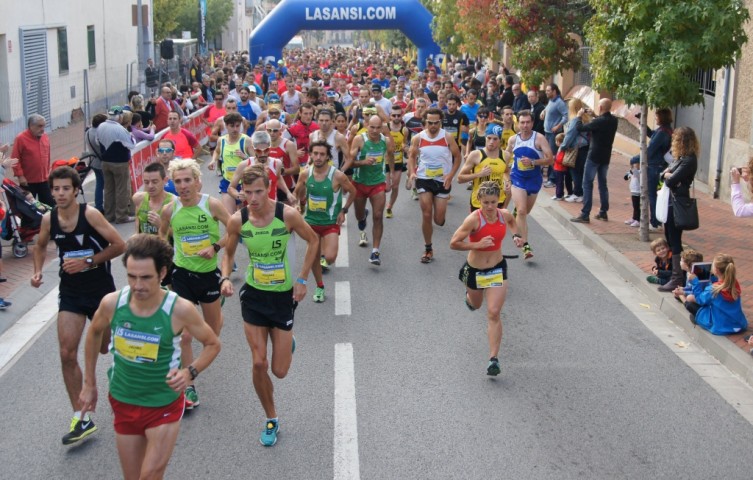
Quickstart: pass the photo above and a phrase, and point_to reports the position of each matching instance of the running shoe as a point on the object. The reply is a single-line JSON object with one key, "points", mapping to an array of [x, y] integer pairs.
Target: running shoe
{"points": [[325, 265], [574, 199], [414, 194], [389, 213], [4, 304], [468, 304], [374, 259], [635, 224], [428, 256], [363, 241], [79, 430], [269, 434], [192, 398], [319, 295], [527, 252], [362, 223], [493, 368], [557, 199]]}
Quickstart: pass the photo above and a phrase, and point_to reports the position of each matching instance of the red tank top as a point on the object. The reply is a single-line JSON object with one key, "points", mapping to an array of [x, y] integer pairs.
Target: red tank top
{"points": [[497, 230], [279, 152]]}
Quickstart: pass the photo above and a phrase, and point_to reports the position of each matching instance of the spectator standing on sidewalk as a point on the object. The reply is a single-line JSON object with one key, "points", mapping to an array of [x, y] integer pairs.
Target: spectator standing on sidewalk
{"points": [[32, 149], [116, 144], [555, 117], [678, 177], [576, 139], [658, 145], [93, 145], [602, 128]]}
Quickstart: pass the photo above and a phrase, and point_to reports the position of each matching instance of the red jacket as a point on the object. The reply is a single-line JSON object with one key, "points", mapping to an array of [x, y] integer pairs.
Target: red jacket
{"points": [[33, 156]]}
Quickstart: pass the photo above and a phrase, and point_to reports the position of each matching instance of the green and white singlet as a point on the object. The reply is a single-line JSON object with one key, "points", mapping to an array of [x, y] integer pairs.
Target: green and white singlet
{"points": [[371, 174], [144, 350], [322, 205], [271, 251], [194, 229]]}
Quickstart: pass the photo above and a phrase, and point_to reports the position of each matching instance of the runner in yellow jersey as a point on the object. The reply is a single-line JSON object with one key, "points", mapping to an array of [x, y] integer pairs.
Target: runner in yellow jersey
{"points": [[487, 164], [231, 150], [396, 128]]}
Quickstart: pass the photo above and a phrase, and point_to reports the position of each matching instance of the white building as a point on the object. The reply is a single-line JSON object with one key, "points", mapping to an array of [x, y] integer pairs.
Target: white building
{"points": [[239, 27], [49, 49]]}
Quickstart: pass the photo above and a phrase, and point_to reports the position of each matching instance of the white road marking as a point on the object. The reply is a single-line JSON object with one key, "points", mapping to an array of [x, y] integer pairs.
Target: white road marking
{"points": [[20, 337], [346, 465], [342, 298], [342, 249]]}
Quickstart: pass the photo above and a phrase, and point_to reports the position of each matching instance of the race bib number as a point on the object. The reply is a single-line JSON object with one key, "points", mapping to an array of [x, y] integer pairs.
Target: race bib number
{"points": [[136, 347], [491, 278], [377, 158], [434, 171], [317, 204], [193, 244], [269, 273], [522, 167], [81, 254], [231, 169]]}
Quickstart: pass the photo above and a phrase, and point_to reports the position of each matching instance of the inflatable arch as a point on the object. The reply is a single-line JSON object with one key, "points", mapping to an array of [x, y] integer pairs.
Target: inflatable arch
{"points": [[290, 16]]}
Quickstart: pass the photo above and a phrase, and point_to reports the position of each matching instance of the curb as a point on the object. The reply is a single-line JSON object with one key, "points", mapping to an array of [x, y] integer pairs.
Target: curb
{"points": [[26, 297], [721, 348]]}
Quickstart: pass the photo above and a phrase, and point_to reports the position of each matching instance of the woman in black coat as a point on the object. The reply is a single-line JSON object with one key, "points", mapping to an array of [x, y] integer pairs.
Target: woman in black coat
{"points": [[678, 177]]}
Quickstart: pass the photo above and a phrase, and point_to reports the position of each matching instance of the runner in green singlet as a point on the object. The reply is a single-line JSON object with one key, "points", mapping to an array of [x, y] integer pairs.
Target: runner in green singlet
{"points": [[231, 150], [147, 379], [270, 293], [150, 202], [321, 186], [194, 218]]}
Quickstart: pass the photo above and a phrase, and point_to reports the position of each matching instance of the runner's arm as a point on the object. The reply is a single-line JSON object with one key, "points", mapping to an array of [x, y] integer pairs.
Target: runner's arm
{"points": [[342, 145], [512, 227], [295, 166], [299, 191], [164, 229], [455, 150], [232, 189], [215, 157], [185, 316], [295, 223], [233, 233], [40, 250], [458, 238], [355, 147], [137, 198], [390, 154], [546, 150], [413, 157], [466, 172]]}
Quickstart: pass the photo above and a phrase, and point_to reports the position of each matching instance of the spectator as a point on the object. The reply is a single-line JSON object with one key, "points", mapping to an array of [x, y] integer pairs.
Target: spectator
{"points": [[536, 109], [562, 178], [739, 207], [521, 100], [507, 98], [634, 178], [662, 269], [687, 259], [602, 128], [575, 139], [658, 145], [93, 145], [716, 306], [138, 132], [32, 149], [186, 145], [152, 75], [678, 177], [137, 106], [164, 105], [555, 117], [115, 144]]}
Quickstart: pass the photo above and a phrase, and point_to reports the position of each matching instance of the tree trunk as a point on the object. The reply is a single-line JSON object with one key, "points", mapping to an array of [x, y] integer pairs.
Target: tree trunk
{"points": [[645, 204]]}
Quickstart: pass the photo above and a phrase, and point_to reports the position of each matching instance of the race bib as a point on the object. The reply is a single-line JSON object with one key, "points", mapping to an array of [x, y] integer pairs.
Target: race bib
{"points": [[136, 347], [81, 254], [231, 169], [269, 273], [317, 204], [193, 244], [490, 278], [433, 171], [522, 167], [377, 158]]}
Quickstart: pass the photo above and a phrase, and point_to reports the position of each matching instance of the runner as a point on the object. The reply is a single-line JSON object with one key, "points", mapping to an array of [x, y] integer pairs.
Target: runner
{"points": [[284, 150], [146, 379], [369, 151], [485, 271], [300, 132], [455, 121], [231, 150], [485, 165], [321, 187], [278, 189], [433, 160], [531, 152], [337, 142], [193, 222], [269, 295], [150, 202], [86, 243], [396, 128]]}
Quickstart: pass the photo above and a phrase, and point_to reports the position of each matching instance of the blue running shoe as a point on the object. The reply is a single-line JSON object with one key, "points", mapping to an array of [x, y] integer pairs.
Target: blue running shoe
{"points": [[269, 434], [362, 223], [4, 304]]}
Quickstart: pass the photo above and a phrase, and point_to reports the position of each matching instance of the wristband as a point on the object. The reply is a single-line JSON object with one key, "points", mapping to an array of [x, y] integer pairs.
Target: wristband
{"points": [[516, 235], [302, 281], [216, 247], [345, 211], [223, 279], [192, 370]]}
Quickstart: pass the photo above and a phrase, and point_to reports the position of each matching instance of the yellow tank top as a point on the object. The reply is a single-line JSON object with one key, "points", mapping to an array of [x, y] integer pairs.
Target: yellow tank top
{"points": [[498, 167], [399, 140], [230, 160]]}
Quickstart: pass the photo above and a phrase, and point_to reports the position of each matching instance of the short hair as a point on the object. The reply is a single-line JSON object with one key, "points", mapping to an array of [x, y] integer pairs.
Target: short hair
{"points": [[135, 118], [453, 96], [173, 112], [659, 242], [525, 113], [255, 172], [664, 116], [321, 143], [167, 140], [144, 246], [324, 111], [433, 111], [185, 164], [61, 173], [34, 118], [691, 256], [98, 119], [245, 87], [260, 137], [560, 137], [554, 87], [233, 118], [156, 167], [307, 105]]}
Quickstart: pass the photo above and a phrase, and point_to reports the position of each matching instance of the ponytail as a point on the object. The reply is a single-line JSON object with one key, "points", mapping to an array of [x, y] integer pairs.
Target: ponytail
{"points": [[725, 266]]}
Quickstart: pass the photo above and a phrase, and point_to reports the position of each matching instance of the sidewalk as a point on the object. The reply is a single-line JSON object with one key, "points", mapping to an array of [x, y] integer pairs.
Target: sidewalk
{"points": [[720, 231], [64, 143]]}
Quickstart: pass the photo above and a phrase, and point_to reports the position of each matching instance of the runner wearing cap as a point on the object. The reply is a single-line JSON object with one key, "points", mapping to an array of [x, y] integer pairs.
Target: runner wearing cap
{"points": [[487, 164]]}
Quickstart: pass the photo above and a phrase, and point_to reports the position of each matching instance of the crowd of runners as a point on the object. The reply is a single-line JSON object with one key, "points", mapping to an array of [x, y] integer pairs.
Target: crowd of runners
{"points": [[298, 145]]}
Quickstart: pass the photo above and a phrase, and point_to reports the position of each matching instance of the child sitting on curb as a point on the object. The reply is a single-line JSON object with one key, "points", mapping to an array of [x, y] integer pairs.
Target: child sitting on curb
{"points": [[662, 271], [716, 306], [687, 259]]}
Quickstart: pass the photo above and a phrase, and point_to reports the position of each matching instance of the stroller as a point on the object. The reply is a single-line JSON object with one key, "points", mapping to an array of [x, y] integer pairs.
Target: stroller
{"points": [[82, 166], [28, 211]]}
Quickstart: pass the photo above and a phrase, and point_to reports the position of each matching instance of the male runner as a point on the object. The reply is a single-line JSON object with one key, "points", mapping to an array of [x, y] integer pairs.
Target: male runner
{"points": [[300, 131], [194, 218], [186, 145], [369, 151], [150, 202], [487, 164], [270, 295], [433, 160], [530, 152], [231, 150], [146, 379], [320, 187], [396, 128], [336, 140], [454, 121], [86, 243], [261, 146], [284, 150]]}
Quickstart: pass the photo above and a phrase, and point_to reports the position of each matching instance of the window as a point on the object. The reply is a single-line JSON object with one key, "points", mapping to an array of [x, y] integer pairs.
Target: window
{"points": [[63, 50], [92, 45]]}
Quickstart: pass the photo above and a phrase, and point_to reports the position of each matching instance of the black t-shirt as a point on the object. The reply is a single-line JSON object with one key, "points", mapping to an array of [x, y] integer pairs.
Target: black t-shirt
{"points": [[453, 122]]}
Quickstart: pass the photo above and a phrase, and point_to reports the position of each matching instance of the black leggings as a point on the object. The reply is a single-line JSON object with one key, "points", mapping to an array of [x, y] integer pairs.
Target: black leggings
{"points": [[672, 233]]}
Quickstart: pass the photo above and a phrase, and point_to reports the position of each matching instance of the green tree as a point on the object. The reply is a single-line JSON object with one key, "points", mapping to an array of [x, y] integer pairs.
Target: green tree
{"points": [[646, 51], [446, 17], [164, 17], [174, 16]]}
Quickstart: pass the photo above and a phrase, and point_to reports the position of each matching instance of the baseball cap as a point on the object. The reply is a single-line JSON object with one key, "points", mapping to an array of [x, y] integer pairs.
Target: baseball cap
{"points": [[634, 160], [494, 129], [273, 98], [115, 111], [331, 93], [375, 87]]}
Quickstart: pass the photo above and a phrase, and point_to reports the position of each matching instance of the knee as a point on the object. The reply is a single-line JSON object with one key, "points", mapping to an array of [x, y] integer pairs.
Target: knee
{"points": [[493, 315], [260, 365], [149, 472], [68, 357], [330, 257], [280, 372]]}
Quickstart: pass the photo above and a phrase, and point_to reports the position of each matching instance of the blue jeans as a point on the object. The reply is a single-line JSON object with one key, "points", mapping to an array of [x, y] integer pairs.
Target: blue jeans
{"points": [[99, 190], [577, 172], [594, 170]]}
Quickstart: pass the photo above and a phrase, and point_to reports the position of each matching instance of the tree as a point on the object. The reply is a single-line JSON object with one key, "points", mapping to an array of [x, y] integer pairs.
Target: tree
{"points": [[539, 33], [444, 31], [174, 16], [164, 17], [646, 51]]}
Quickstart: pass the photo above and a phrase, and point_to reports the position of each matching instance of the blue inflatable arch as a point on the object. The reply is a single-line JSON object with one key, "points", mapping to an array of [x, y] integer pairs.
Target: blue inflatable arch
{"points": [[290, 16]]}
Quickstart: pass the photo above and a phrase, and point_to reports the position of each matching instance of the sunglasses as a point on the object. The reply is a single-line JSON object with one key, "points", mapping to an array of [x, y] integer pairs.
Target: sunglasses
{"points": [[433, 123], [395, 116], [261, 150], [165, 150], [483, 115], [273, 130], [274, 114]]}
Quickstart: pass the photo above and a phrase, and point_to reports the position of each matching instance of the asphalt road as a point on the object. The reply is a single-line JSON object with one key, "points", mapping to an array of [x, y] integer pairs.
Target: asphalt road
{"points": [[586, 390]]}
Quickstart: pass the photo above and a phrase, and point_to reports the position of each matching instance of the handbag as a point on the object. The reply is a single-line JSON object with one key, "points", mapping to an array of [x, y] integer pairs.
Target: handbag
{"points": [[685, 210], [571, 155]]}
